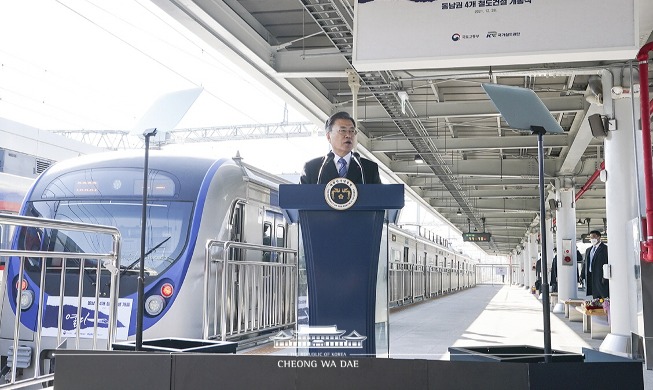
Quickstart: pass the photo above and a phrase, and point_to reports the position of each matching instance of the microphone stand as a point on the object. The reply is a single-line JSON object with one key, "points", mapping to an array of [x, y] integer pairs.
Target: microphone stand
{"points": [[356, 156], [326, 159]]}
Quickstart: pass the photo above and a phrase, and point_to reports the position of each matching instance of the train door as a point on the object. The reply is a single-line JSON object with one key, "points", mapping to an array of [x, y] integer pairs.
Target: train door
{"points": [[236, 229], [425, 273], [280, 236], [274, 234], [407, 274], [438, 276]]}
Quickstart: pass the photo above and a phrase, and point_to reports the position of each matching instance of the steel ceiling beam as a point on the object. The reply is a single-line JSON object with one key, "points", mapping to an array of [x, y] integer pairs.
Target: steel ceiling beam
{"points": [[471, 143]]}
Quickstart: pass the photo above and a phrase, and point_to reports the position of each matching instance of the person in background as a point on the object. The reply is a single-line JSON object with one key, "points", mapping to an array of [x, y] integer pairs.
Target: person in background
{"points": [[341, 161], [554, 271], [554, 268], [538, 275], [580, 262], [595, 257]]}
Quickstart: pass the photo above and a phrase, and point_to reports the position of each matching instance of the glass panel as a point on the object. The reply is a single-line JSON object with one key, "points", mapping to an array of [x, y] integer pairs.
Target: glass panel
{"points": [[166, 230]]}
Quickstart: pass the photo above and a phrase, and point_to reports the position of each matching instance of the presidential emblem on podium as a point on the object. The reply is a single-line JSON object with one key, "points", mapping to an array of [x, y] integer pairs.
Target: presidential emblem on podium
{"points": [[340, 193]]}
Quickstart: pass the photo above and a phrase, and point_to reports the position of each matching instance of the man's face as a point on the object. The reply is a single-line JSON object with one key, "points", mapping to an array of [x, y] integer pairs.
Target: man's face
{"points": [[594, 236], [342, 137]]}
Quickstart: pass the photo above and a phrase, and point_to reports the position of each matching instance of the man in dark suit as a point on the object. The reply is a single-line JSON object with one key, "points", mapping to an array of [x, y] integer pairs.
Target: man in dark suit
{"points": [[595, 257], [341, 161]]}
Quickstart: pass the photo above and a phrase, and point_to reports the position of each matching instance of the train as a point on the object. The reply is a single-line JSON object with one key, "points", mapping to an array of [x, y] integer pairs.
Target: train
{"points": [[221, 258]]}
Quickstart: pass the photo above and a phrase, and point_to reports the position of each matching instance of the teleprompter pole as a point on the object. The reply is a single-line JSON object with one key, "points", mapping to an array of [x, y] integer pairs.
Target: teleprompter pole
{"points": [[545, 278], [141, 266]]}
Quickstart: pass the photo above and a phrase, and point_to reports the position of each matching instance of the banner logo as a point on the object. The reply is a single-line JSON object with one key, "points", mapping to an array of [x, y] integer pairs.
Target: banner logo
{"points": [[318, 337], [85, 321], [340, 193]]}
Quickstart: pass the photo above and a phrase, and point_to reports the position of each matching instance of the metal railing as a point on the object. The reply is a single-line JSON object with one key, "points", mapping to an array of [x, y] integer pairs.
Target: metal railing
{"points": [[413, 282], [103, 261], [495, 273], [433, 281], [243, 297]]}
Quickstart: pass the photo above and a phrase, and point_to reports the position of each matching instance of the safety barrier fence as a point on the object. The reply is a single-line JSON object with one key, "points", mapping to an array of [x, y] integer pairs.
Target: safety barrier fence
{"points": [[496, 273], [413, 282], [250, 297], [27, 350]]}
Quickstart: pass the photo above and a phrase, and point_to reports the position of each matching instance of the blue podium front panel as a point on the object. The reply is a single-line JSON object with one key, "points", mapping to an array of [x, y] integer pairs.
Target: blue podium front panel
{"points": [[342, 253]]}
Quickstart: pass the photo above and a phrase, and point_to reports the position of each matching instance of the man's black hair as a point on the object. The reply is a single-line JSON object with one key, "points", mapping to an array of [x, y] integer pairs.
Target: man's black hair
{"points": [[598, 233], [335, 117]]}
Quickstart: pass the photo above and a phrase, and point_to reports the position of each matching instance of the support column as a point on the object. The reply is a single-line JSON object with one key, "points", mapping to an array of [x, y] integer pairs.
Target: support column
{"points": [[524, 262], [621, 209], [566, 244], [524, 265], [511, 269]]}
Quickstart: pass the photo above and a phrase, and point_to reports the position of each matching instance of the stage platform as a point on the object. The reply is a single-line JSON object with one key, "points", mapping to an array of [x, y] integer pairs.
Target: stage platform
{"points": [[420, 336], [485, 315]]}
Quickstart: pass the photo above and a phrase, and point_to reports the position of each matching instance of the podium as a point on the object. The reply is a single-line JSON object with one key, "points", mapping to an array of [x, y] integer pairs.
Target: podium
{"points": [[341, 249]]}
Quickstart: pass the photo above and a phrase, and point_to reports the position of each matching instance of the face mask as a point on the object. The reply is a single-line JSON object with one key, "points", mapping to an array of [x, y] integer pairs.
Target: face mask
{"points": [[594, 241]]}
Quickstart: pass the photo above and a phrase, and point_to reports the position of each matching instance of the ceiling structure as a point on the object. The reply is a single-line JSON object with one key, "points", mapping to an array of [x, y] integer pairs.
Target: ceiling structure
{"points": [[476, 171]]}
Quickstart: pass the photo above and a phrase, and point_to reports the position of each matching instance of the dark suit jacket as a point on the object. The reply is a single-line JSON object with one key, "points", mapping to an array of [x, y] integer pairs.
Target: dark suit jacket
{"points": [[370, 171], [597, 285]]}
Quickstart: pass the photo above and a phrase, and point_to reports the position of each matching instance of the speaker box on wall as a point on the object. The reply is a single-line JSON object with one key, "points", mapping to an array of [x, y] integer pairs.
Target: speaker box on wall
{"points": [[598, 125]]}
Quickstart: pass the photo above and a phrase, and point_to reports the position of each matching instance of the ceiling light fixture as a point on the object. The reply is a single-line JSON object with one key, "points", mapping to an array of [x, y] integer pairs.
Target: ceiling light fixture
{"points": [[419, 159], [459, 212]]}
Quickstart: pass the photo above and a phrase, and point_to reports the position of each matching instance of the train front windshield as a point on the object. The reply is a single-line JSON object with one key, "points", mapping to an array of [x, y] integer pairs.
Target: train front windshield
{"points": [[112, 197], [166, 230]]}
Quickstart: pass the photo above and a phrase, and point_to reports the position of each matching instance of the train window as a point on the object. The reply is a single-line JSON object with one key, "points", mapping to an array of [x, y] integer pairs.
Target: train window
{"points": [[267, 239], [31, 239], [281, 236], [167, 230], [280, 241], [267, 233]]}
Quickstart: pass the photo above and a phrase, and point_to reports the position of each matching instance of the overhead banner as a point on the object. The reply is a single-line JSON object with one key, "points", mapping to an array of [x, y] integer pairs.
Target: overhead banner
{"points": [[417, 34]]}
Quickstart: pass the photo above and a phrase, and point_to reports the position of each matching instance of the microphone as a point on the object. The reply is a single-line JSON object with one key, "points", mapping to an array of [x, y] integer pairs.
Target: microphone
{"points": [[325, 160], [358, 161]]}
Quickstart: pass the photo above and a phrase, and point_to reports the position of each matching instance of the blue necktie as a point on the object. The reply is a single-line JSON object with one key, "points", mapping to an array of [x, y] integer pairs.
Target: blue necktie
{"points": [[342, 171]]}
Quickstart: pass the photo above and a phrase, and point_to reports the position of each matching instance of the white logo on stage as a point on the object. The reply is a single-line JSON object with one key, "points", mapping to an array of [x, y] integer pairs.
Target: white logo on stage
{"points": [[318, 337]]}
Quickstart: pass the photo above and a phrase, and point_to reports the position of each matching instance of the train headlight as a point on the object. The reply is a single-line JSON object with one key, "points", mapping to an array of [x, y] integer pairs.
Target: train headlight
{"points": [[154, 305], [23, 285], [167, 290], [26, 299]]}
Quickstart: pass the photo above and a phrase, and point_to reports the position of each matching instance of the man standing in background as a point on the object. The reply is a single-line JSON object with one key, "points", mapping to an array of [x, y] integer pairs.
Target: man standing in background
{"points": [[595, 257]]}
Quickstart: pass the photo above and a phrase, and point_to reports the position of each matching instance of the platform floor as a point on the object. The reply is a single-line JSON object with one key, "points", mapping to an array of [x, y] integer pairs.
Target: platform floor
{"points": [[483, 315], [480, 316]]}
